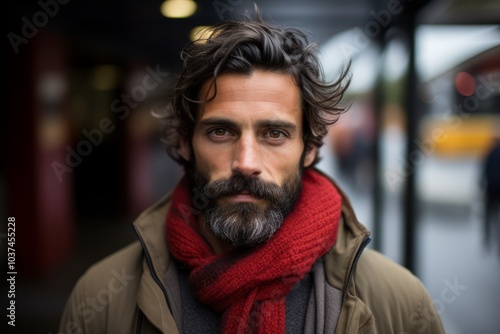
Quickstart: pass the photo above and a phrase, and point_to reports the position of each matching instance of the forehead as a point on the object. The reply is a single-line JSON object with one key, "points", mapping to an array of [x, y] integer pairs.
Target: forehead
{"points": [[260, 94]]}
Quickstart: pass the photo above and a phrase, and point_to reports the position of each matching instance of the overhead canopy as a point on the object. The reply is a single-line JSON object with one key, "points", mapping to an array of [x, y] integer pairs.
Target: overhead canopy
{"points": [[442, 48]]}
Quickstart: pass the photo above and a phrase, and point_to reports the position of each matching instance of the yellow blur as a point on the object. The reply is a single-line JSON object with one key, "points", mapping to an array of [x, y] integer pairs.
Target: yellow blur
{"points": [[460, 136]]}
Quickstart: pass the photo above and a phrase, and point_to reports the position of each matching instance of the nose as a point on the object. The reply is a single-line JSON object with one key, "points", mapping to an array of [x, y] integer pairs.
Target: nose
{"points": [[246, 158]]}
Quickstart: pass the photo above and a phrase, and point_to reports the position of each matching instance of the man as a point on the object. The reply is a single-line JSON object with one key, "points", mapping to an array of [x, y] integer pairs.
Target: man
{"points": [[491, 184], [253, 239]]}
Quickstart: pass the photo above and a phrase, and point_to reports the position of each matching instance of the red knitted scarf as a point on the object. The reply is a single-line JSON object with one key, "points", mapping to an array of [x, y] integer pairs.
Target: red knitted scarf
{"points": [[250, 287]]}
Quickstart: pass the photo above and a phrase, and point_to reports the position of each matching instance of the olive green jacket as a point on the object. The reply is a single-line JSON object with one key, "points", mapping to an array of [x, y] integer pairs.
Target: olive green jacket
{"points": [[127, 291]]}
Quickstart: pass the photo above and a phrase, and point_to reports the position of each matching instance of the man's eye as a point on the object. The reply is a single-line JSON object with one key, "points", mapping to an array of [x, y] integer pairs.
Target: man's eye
{"points": [[275, 134], [219, 132]]}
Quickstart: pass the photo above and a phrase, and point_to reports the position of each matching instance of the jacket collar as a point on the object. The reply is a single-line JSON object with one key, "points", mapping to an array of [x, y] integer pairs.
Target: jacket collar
{"points": [[150, 228], [152, 296], [352, 236]]}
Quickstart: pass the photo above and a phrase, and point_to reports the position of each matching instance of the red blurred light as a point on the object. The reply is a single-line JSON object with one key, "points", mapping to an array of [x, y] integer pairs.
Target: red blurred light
{"points": [[465, 83]]}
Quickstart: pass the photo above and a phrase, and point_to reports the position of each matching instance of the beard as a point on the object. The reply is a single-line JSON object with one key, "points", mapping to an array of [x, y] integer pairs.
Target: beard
{"points": [[245, 224]]}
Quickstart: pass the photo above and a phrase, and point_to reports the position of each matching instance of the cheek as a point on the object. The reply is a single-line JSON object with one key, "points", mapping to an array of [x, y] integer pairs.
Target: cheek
{"points": [[209, 161], [286, 167]]}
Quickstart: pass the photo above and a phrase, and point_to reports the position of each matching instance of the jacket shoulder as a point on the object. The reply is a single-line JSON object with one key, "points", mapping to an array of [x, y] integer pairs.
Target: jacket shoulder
{"points": [[108, 288], [119, 266], [397, 298]]}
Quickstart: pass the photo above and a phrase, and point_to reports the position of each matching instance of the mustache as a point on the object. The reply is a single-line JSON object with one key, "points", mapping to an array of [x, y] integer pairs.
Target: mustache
{"points": [[237, 184]]}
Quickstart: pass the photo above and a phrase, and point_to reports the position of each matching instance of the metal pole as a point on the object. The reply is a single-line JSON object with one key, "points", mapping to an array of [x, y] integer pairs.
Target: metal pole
{"points": [[412, 120], [378, 191]]}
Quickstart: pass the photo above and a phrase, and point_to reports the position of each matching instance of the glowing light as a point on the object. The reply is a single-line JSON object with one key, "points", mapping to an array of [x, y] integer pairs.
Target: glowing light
{"points": [[178, 8], [105, 77], [465, 83]]}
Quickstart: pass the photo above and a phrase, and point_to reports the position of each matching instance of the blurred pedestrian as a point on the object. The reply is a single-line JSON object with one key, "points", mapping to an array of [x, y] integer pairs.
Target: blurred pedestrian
{"points": [[491, 180]]}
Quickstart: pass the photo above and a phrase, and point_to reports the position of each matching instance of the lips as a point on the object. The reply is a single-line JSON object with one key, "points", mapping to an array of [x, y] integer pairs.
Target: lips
{"points": [[243, 196]]}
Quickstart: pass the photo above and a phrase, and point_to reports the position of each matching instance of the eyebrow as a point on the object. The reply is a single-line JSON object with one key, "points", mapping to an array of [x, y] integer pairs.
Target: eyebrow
{"points": [[219, 121]]}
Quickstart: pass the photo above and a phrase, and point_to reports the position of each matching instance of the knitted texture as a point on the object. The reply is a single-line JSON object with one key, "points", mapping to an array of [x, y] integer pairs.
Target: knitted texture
{"points": [[249, 287]]}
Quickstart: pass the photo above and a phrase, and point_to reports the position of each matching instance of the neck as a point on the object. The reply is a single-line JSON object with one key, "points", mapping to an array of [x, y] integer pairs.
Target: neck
{"points": [[218, 245]]}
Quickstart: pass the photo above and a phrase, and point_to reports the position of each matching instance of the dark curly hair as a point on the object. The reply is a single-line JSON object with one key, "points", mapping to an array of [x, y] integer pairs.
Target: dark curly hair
{"points": [[242, 47]]}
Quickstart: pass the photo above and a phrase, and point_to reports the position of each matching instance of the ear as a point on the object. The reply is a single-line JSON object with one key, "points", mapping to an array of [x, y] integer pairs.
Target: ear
{"points": [[310, 155], [184, 149]]}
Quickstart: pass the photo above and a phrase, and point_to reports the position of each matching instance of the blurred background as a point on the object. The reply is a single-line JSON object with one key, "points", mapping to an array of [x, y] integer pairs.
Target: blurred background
{"points": [[416, 152]]}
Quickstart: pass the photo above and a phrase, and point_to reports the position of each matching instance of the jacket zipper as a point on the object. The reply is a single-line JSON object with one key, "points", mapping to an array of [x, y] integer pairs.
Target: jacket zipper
{"points": [[139, 322], [151, 268], [361, 248]]}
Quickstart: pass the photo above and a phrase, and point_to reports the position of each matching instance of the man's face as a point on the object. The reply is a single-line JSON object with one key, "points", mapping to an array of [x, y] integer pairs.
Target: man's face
{"points": [[248, 154]]}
